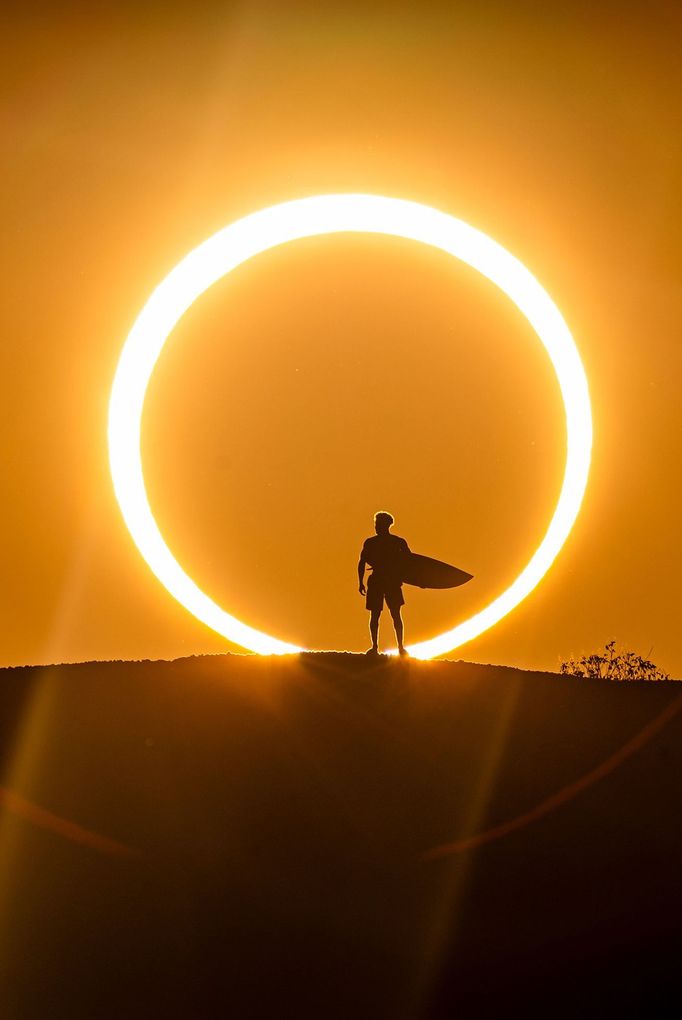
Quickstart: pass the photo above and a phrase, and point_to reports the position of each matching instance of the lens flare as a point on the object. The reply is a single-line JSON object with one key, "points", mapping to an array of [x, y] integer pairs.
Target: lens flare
{"points": [[308, 217]]}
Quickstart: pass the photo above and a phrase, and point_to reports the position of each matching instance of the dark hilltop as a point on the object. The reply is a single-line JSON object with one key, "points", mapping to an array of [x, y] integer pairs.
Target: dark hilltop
{"points": [[327, 836]]}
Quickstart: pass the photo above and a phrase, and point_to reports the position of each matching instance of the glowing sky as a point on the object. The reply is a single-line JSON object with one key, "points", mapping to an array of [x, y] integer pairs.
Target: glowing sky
{"points": [[352, 369], [317, 216]]}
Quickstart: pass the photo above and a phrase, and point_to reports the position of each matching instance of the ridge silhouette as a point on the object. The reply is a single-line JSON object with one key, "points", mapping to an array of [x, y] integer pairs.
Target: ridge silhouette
{"points": [[295, 822]]}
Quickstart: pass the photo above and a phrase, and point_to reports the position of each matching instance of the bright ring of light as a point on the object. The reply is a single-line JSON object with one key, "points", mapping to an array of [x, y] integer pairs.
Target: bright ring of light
{"points": [[330, 214]]}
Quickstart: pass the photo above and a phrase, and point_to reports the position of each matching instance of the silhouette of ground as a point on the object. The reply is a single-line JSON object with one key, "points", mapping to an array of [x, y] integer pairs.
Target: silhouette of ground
{"points": [[231, 836]]}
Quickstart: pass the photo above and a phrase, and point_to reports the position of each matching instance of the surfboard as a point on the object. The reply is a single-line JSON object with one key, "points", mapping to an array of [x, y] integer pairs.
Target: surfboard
{"points": [[423, 572]]}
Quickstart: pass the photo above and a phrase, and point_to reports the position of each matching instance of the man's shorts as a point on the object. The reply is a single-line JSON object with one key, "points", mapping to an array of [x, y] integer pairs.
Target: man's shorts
{"points": [[378, 590]]}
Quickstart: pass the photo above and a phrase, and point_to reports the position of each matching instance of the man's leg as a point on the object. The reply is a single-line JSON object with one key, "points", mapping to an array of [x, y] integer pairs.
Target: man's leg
{"points": [[398, 627], [374, 629]]}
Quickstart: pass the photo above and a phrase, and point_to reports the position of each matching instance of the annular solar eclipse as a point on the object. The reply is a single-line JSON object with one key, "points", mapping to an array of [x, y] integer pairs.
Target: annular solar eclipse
{"points": [[308, 217]]}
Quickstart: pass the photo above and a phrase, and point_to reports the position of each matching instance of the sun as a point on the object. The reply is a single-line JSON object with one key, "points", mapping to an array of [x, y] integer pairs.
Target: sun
{"points": [[308, 217]]}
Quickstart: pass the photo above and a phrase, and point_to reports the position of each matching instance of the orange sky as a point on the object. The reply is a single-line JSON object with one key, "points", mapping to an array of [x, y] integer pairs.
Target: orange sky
{"points": [[337, 376]]}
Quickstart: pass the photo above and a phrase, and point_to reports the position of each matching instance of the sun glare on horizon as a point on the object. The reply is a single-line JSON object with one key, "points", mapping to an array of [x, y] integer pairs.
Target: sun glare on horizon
{"points": [[314, 216]]}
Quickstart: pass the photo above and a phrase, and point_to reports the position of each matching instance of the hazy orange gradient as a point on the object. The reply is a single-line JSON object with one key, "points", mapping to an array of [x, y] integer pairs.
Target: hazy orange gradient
{"points": [[317, 384]]}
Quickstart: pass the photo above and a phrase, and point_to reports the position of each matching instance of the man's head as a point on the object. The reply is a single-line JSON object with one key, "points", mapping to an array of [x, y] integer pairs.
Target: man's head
{"points": [[382, 522]]}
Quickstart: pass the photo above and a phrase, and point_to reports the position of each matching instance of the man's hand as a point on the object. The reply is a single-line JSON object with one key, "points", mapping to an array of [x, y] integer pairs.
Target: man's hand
{"points": [[362, 589]]}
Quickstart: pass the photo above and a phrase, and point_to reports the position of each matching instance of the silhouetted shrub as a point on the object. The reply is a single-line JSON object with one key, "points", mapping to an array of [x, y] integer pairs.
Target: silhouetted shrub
{"points": [[613, 665]]}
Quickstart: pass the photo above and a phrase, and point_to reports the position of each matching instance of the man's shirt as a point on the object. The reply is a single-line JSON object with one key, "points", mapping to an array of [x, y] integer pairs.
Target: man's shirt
{"points": [[386, 555]]}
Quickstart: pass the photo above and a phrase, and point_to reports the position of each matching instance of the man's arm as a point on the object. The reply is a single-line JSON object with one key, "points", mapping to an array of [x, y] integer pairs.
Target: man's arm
{"points": [[361, 572], [404, 553]]}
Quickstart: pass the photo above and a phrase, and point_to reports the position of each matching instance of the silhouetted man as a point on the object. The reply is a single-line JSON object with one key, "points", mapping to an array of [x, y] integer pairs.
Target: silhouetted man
{"points": [[385, 554]]}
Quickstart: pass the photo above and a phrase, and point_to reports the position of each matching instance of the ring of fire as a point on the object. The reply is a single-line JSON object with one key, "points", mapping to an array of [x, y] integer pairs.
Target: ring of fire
{"points": [[290, 221]]}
